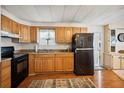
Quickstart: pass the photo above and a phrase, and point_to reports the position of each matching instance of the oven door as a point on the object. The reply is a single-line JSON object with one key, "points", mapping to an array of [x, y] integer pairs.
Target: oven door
{"points": [[19, 70]]}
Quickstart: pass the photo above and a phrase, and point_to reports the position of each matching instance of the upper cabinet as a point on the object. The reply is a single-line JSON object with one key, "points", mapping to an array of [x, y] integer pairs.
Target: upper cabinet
{"points": [[84, 30], [60, 34], [33, 34], [25, 33], [76, 30], [5, 24], [64, 34], [68, 34]]}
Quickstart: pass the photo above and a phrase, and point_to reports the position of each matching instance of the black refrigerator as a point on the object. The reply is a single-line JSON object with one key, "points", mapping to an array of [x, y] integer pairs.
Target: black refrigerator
{"points": [[82, 46]]}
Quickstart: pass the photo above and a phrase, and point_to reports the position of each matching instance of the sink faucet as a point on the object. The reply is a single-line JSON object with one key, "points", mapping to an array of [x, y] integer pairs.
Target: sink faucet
{"points": [[36, 48]]}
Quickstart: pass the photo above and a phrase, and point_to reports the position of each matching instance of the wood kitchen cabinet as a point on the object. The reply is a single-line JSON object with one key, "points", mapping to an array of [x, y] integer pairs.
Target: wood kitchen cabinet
{"points": [[25, 33], [5, 74], [68, 34], [51, 62], [64, 62], [15, 28], [33, 34], [84, 30], [5, 23], [60, 35], [31, 64], [76, 30], [44, 63]]}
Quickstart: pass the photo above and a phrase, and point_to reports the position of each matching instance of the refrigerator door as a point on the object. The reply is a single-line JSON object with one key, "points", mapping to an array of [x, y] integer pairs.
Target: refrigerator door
{"points": [[84, 40], [84, 63]]}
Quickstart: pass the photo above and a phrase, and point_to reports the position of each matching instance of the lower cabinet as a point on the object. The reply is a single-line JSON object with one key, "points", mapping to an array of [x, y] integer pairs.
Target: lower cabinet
{"points": [[58, 62], [44, 63], [5, 74], [116, 62], [107, 61], [64, 62]]}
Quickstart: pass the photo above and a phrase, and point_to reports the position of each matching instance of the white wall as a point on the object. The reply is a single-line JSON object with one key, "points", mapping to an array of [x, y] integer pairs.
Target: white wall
{"points": [[119, 27], [8, 42]]}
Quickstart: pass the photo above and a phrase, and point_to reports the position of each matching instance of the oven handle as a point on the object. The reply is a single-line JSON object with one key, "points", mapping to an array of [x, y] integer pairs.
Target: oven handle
{"points": [[22, 59]]}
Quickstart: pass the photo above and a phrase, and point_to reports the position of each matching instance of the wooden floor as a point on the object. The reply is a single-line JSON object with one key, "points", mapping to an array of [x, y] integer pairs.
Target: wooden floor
{"points": [[102, 79]]}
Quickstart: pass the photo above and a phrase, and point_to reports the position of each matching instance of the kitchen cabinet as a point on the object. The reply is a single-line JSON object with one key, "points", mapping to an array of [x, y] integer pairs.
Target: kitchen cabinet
{"points": [[5, 80], [64, 62], [31, 64], [84, 30], [116, 62], [121, 62], [76, 30], [68, 34], [44, 63], [33, 34], [51, 62], [5, 23], [107, 61], [25, 33], [15, 28], [64, 34], [60, 35]]}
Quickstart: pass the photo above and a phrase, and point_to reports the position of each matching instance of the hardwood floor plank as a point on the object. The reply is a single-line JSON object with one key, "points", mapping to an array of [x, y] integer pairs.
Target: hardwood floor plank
{"points": [[102, 79]]}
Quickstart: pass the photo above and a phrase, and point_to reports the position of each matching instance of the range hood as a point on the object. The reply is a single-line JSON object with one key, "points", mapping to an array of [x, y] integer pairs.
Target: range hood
{"points": [[9, 35]]}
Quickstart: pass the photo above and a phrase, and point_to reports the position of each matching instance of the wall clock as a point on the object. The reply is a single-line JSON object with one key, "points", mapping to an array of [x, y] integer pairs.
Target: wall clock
{"points": [[121, 37]]}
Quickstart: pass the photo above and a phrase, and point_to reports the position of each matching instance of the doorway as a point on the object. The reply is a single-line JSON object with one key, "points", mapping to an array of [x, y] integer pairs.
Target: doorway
{"points": [[97, 50]]}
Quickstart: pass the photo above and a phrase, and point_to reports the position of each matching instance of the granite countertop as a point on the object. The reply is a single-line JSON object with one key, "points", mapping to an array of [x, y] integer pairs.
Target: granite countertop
{"points": [[5, 59], [44, 51]]}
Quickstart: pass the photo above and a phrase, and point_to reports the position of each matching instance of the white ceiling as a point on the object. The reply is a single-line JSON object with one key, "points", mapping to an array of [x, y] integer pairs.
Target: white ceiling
{"points": [[67, 13]]}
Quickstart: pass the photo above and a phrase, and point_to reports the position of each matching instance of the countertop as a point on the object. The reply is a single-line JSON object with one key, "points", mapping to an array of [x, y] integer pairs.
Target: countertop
{"points": [[44, 51], [5, 59]]}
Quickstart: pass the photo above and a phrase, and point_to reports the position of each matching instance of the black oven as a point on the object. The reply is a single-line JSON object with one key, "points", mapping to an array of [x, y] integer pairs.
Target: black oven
{"points": [[20, 69], [19, 65]]}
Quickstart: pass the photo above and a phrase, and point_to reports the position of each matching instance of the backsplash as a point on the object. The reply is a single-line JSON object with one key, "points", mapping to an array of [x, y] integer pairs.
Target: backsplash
{"points": [[8, 42]]}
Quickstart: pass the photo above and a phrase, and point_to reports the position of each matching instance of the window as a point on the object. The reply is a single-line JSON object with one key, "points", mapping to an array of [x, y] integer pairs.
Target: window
{"points": [[47, 37]]}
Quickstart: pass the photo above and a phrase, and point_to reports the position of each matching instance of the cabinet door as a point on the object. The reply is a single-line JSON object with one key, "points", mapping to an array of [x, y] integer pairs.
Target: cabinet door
{"points": [[84, 30], [68, 34], [107, 61], [116, 62], [122, 62], [31, 64], [50, 64], [25, 33], [38, 65], [59, 63], [76, 30], [60, 35], [68, 63], [5, 23], [14, 27], [33, 34]]}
